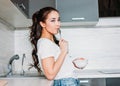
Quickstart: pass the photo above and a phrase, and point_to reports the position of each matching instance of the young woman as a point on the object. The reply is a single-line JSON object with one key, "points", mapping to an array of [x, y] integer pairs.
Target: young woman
{"points": [[51, 54]]}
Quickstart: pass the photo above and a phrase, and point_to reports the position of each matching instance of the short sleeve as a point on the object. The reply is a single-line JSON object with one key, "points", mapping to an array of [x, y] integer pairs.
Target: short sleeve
{"points": [[45, 49]]}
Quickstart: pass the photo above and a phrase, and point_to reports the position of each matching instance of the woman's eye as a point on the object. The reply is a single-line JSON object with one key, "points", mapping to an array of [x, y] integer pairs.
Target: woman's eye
{"points": [[55, 20], [52, 20]]}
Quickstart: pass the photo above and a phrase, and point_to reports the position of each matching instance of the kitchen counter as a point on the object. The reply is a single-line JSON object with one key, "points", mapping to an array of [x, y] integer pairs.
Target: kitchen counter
{"points": [[97, 73], [41, 81], [27, 81]]}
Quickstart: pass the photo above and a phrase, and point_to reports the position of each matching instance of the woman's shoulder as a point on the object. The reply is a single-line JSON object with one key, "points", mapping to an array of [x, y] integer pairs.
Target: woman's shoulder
{"points": [[44, 41]]}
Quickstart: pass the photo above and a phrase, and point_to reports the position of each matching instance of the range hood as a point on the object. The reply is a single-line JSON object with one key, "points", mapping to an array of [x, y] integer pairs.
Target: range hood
{"points": [[10, 14]]}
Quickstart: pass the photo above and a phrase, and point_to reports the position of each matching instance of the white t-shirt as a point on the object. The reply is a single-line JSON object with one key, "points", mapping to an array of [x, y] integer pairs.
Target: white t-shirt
{"points": [[47, 48]]}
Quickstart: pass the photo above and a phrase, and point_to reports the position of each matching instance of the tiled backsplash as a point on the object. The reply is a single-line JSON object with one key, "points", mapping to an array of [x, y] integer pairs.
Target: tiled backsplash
{"points": [[3, 66], [6, 46], [101, 46]]}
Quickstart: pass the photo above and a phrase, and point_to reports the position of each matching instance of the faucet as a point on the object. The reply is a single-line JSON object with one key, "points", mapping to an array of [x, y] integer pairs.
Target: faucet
{"points": [[15, 57], [22, 63]]}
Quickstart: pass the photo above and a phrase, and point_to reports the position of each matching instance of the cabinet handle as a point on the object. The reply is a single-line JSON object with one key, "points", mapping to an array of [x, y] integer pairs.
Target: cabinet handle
{"points": [[22, 6], [77, 19], [84, 81]]}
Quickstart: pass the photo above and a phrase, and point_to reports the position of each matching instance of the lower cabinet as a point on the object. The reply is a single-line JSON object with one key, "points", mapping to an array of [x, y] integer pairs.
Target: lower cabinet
{"points": [[112, 81], [100, 82], [93, 82]]}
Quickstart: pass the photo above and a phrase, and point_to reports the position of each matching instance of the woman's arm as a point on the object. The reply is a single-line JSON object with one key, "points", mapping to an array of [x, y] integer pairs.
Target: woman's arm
{"points": [[3, 82], [52, 67]]}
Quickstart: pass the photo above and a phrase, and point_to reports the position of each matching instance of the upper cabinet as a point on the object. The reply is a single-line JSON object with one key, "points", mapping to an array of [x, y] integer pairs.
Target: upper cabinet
{"points": [[35, 5], [78, 12], [109, 8], [72, 12]]}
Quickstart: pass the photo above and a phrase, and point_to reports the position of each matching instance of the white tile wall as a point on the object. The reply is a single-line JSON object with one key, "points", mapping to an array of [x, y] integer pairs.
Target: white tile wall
{"points": [[6, 46], [22, 45], [101, 46]]}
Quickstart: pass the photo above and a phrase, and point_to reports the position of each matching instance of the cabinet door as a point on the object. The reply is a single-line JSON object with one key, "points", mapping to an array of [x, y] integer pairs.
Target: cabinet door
{"points": [[98, 82], [35, 5], [113, 82], [92, 82], [78, 10], [109, 8]]}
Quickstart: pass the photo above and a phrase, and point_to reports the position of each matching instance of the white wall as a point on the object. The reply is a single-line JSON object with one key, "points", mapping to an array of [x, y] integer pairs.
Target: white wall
{"points": [[6, 46], [100, 45], [22, 46]]}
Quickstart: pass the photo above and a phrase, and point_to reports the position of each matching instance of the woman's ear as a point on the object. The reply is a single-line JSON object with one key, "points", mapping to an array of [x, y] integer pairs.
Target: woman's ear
{"points": [[42, 24]]}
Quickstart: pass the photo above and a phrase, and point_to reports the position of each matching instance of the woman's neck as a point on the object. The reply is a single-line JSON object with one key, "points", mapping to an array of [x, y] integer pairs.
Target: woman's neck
{"points": [[48, 36]]}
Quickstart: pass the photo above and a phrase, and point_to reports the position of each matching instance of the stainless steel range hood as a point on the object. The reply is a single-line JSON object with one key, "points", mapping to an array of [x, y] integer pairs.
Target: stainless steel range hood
{"points": [[12, 15]]}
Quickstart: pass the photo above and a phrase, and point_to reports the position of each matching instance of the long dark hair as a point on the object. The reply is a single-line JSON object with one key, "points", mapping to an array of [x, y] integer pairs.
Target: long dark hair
{"points": [[36, 30]]}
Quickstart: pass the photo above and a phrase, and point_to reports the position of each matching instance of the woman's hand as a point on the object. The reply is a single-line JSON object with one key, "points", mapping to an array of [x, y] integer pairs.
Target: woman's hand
{"points": [[63, 46], [80, 63]]}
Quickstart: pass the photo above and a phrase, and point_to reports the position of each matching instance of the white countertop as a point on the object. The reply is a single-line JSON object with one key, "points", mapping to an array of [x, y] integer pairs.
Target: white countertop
{"points": [[41, 81], [27, 81], [97, 73]]}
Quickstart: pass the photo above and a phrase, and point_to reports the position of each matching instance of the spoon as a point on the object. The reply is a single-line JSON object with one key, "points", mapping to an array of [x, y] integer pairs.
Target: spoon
{"points": [[60, 34]]}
